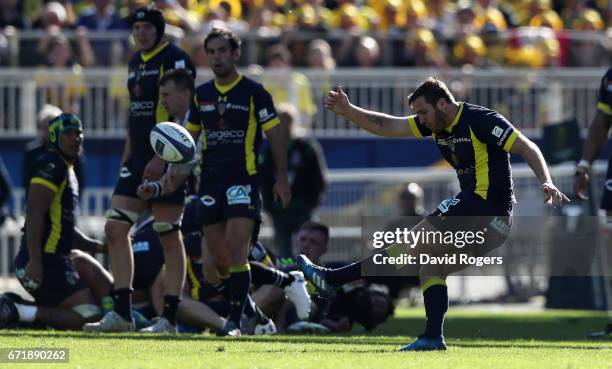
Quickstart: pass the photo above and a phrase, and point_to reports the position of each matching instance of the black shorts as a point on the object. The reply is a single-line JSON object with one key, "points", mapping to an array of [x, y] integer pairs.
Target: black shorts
{"points": [[148, 260], [130, 177], [606, 200], [232, 198], [468, 212], [60, 278]]}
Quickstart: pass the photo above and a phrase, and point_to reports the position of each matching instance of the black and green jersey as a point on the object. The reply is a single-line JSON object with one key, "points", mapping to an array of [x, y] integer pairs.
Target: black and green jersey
{"points": [[55, 173], [232, 118], [604, 102], [144, 72], [476, 145]]}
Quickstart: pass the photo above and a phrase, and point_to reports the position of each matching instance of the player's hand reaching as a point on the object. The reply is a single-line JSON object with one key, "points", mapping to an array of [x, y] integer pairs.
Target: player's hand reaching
{"points": [[581, 182], [154, 170], [282, 191], [552, 194], [337, 101]]}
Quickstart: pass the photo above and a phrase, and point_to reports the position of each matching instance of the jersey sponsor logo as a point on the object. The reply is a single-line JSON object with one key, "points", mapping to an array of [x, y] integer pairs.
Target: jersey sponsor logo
{"points": [[446, 204], [497, 131], [208, 200], [179, 64], [500, 226], [124, 172], [503, 137], [141, 105], [236, 107], [224, 134], [465, 171], [71, 277], [142, 246], [238, 195], [207, 107], [264, 115]]}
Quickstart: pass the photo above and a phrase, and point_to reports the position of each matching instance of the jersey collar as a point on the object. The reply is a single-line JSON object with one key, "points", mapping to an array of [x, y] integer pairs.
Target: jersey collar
{"points": [[224, 88], [147, 56], [449, 129]]}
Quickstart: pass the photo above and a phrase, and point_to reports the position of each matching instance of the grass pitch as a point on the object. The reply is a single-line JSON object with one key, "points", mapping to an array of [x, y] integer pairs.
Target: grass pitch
{"points": [[551, 339]]}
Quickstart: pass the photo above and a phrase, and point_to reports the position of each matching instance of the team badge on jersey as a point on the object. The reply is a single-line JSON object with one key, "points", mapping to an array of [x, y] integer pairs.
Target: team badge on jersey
{"points": [[221, 104], [239, 195]]}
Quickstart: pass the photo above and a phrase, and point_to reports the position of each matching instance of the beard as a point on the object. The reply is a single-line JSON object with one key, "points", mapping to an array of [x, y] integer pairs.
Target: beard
{"points": [[440, 120]]}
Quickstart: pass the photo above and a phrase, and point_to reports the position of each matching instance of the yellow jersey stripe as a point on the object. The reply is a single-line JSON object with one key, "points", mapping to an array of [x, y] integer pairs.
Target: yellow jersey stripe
{"points": [[510, 141], [55, 214], [481, 166], [456, 120], [45, 183], [240, 269], [195, 282], [604, 107], [413, 127], [270, 124], [192, 127], [249, 142], [148, 56], [225, 88], [161, 115], [433, 282]]}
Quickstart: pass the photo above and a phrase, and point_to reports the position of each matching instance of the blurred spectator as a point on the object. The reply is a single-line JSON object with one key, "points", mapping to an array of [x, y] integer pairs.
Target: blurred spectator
{"points": [[56, 13], [287, 86], [320, 55], [35, 148], [55, 49], [359, 51], [227, 11], [413, 14], [421, 50], [588, 52], [306, 170], [101, 16], [264, 23], [465, 19], [347, 18], [12, 15], [194, 46], [313, 17], [179, 14], [489, 17], [470, 50], [441, 17], [389, 11], [547, 18], [6, 189]]}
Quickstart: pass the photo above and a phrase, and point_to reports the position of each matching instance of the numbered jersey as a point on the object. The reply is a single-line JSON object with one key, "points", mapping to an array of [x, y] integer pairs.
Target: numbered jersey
{"points": [[232, 118], [144, 72], [476, 144]]}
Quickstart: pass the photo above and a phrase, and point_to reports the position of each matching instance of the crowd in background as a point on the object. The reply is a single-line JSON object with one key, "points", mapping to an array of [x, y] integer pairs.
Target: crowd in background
{"points": [[323, 33]]}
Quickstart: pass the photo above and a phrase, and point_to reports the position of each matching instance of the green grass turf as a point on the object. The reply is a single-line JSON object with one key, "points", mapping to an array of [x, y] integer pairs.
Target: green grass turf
{"points": [[551, 339]]}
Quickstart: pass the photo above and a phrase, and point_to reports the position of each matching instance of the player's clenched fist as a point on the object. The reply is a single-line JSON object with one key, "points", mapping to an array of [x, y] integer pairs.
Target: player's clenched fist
{"points": [[337, 101]]}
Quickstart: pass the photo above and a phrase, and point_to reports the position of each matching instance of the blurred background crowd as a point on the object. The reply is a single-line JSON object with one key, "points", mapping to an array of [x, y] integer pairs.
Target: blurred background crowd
{"points": [[322, 33]]}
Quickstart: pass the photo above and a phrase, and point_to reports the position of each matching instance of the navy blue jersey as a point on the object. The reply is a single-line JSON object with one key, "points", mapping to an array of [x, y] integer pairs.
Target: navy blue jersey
{"points": [[54, 172], [604, 102], [476, 145], [144, 72], [232, 118]]}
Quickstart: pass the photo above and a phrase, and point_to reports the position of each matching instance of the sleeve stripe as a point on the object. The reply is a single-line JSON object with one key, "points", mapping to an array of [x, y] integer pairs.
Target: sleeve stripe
{"points": [[192, 127], [413, 127], [604, 107], [270, 124], [45, 183], [510, 141]]}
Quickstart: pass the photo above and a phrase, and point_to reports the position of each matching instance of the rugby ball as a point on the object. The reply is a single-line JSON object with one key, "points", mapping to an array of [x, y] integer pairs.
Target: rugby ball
{"points": [[172, 143]]}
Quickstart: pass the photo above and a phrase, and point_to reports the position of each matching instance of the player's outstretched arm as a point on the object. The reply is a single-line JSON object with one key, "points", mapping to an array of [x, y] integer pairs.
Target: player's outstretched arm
{"points": [[377, 123], [596, 138], [533, 156]]}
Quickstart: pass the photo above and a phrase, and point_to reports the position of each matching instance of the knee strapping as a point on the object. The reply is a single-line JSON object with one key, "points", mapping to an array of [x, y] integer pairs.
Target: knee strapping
{"points": [[122, 215], [87, 310], [164, 228]]}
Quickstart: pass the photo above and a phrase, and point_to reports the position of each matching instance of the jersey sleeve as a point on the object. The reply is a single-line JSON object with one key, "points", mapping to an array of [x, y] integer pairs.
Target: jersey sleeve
{"points": [[194, 124], [418, 130], [49, 173], [604, 102], [265, 113], [495, 130]]}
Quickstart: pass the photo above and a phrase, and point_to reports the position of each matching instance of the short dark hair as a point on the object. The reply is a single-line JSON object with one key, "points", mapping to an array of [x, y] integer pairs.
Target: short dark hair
{"points": [[181, 77], [432, 89], [230, 36], [316, 226]]}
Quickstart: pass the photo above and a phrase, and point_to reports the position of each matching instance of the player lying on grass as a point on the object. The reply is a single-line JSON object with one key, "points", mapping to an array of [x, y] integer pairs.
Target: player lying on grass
{"points": [[476, 141]]}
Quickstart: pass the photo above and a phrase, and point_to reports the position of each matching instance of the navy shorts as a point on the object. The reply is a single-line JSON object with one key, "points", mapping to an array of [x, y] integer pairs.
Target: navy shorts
{"points": [[148, 262], [130, 177], [60, 279], [232, 198], [468, 212], [606, 200]]}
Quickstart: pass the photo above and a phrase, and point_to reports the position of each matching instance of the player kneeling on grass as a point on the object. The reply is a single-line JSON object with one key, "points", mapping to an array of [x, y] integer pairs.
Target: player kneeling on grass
{"points": [[43, 266]]}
